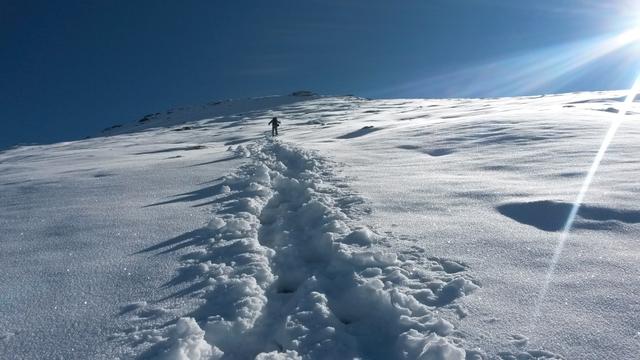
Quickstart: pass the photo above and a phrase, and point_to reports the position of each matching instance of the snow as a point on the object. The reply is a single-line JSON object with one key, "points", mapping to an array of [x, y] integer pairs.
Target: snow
{"points": [[275, 273], [374, 229], [186, 342]]}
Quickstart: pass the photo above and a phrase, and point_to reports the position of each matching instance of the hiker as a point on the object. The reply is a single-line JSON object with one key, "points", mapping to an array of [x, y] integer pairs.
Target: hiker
{"points": [[274, 126]]}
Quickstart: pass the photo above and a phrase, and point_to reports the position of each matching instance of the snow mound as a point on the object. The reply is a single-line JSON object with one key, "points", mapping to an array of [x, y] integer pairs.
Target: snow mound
{"points": [[550, 215], [286, 273]]}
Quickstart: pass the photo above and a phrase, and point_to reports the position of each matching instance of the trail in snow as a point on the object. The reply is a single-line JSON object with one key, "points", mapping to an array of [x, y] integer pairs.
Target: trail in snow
{"points": [[284, 270]]}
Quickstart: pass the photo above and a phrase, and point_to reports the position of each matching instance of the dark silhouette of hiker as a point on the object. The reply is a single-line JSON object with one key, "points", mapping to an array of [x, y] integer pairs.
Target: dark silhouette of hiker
{"points": [[274, 126]]}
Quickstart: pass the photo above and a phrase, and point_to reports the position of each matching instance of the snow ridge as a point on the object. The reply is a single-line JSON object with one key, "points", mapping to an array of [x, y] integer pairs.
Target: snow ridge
{"points": [[285, 274]]}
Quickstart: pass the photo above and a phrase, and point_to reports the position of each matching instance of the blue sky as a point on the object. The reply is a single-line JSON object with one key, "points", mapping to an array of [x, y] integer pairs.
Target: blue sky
{"points": [[70, 68]]}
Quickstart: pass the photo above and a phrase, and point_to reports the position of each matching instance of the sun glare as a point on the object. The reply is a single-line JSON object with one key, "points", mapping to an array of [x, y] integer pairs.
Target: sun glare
{"points": [[629, 36]]}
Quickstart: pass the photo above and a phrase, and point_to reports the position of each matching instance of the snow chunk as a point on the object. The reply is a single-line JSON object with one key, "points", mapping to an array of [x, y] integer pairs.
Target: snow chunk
{"points": [[186, 342], [361, 236], [413, 345], [274, 355], [216, 223]]}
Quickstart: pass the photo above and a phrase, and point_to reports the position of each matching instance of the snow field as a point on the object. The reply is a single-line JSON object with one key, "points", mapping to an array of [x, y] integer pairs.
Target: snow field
{"points": [[294, 263]]}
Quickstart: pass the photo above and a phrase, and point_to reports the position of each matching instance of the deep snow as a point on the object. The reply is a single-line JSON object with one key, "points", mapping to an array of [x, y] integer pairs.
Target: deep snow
{"points": [[370, 228]]}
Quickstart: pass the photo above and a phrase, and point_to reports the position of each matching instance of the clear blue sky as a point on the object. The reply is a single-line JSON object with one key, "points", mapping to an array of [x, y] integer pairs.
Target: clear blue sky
{"points": [[70, 68]]}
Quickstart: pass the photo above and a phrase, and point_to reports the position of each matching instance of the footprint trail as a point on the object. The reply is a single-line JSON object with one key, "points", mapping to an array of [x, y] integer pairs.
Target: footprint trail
{"points": [[286, 270]]}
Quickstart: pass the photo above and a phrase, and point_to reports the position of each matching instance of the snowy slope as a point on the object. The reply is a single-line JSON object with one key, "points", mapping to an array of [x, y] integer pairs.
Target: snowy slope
{"points": [[371, 229]]}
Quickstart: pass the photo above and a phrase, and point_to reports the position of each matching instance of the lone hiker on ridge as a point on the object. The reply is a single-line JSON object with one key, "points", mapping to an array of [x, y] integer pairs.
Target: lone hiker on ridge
{"points": [[274, 126]]}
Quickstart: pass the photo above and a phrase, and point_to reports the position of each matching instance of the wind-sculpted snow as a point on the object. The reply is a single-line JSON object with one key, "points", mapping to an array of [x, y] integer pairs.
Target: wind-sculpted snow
{"points": [[295, 264], [552, 215], [286, 272]]}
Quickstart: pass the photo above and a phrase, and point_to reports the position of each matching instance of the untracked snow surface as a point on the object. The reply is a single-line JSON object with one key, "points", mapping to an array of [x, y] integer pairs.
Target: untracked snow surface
{"points": [[370, 229]]}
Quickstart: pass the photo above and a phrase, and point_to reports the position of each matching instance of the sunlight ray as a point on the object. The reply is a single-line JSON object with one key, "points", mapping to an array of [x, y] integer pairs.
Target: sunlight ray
{"points": [[523, 73], [622, 111]]}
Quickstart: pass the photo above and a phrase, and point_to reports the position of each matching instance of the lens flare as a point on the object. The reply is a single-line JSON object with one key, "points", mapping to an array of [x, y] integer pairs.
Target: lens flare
{"points": [[531, 72], [622, 111]]}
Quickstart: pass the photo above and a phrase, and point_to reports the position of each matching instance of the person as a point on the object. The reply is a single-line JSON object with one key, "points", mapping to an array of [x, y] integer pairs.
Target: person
{"points": [[274, 126]]}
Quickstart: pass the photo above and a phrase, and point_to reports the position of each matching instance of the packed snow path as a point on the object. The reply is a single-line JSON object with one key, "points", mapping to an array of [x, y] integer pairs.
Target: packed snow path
{"points": [[286, 271]]}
